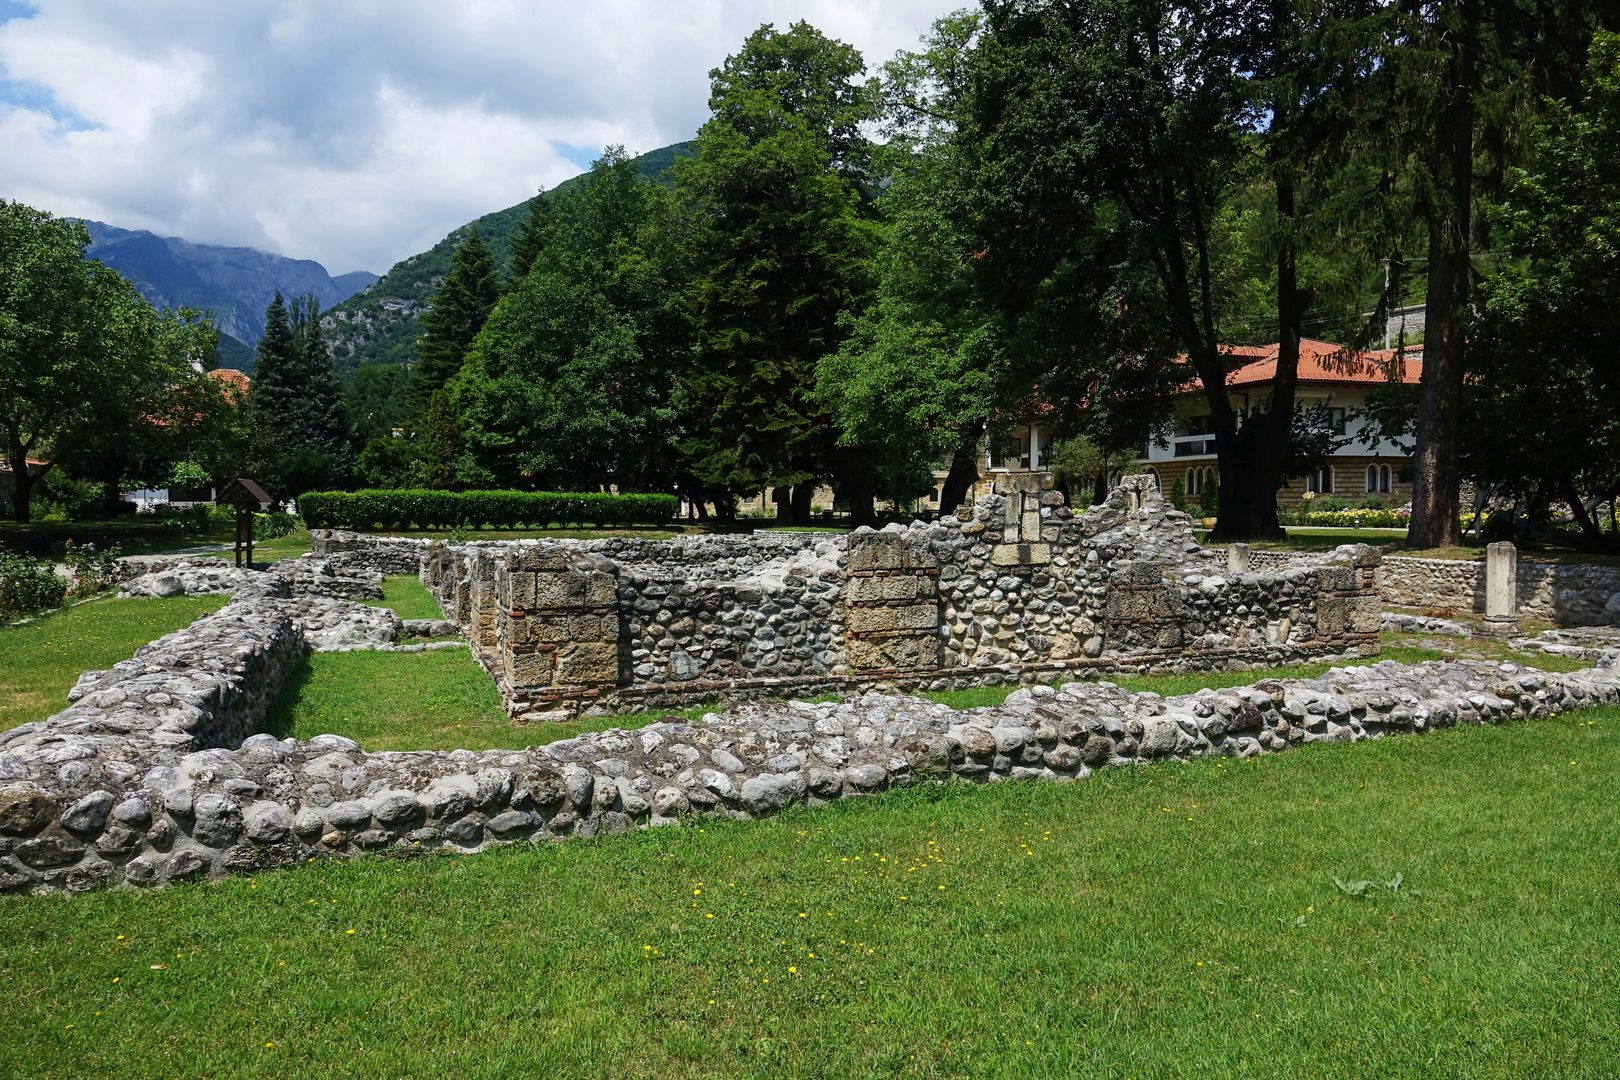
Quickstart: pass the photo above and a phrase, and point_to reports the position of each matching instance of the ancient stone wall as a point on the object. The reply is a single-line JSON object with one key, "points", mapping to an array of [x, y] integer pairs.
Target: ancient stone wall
{"points": [[1568, 594], [1019, 588], [154, 773]]}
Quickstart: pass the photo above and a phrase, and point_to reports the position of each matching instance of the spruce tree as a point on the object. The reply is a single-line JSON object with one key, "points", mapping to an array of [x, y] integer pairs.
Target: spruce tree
{"points": [[458, 312], [271, 398], [533, 235], [323, 414]]}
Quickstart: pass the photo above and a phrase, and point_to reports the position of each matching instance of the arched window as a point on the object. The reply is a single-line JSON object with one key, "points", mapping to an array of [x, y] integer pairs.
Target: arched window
{"points": [[1320, 481], [1155, 474], [1200, 477], [1378, 478]]}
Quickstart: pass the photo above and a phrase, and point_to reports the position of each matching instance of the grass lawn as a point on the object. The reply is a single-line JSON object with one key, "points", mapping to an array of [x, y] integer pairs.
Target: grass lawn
{"points": [[1164, 921], [405, 594], [40, 661]]}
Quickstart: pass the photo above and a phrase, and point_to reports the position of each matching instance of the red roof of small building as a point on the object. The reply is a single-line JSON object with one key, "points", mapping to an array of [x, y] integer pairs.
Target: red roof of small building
{"points": [[232, 378], [1323, 363]]}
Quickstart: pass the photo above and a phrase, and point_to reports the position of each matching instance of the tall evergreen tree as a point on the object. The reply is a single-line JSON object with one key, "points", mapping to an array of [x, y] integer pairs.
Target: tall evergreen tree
{"points": [[301, 436], [324, 412], [272, 395], [533, 235], [780, 233], [459, 309]]}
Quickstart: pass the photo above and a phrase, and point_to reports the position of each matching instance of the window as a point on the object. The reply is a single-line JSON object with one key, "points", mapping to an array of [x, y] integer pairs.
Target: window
{"points": [[1200, 477], [1320, 481], [933, 496], [1335, 419], [1378, 479], [1197, 425]]}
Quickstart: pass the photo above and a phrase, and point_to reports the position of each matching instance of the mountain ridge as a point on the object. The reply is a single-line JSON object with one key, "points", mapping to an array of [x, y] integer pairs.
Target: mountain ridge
{"points": [[232, 284], [380, 324]]}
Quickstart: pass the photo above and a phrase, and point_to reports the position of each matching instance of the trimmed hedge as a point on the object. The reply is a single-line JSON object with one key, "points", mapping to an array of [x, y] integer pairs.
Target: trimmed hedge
{"points": [[424, 509], [1348, 519]]}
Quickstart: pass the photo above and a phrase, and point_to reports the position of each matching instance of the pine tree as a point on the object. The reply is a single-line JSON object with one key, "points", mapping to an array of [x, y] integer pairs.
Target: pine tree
{"points": [[533, 235], [458, 312]]}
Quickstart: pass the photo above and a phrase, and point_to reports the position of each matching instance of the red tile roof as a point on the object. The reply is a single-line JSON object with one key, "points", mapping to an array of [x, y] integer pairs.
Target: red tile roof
{"points": [[232, 378], [1323, 363]]}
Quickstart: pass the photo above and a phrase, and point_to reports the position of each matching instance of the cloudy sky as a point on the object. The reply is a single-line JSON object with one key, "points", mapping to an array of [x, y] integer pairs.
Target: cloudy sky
{"points": [[358, 132]]}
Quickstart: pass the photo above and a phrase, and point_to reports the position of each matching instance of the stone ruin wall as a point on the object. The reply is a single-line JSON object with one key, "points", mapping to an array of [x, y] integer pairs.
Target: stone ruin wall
{"points": [[1566, 594], [1019, 589], [160, 770]]}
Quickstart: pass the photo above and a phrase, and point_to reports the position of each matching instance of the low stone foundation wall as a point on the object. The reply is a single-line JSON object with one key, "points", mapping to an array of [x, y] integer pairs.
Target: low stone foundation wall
{"points": [[153, 773], [1569, 594], [1018, 589]]}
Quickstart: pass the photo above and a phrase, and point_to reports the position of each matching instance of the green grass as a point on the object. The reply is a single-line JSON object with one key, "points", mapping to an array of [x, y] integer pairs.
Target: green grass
{"points": [[40, 661], [445, 701], [529, 534], [405, 594], [1165, 921]]}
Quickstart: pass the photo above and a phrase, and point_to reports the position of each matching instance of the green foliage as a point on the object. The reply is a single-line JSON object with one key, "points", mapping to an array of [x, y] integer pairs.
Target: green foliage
{"points": [[94, 570], [381, 325], [28, 586], [538, 227], [778, 233], [188, 475], [301, 435], [1317, 513], [568, 384], [1178, 495], [1543, 405], [458, 311], [1209, 500], [425, 509], [84, 361], [274, 525]]}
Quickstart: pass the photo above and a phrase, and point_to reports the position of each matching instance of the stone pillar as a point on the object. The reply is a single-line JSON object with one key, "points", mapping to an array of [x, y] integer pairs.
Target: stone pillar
{"points": [[1237, 559], [891, 604], [557, 630], [1349, 609], [1501, 589]]}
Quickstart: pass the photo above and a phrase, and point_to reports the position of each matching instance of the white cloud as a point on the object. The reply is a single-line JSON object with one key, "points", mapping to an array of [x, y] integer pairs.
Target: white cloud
{"points": [[360, 133]]}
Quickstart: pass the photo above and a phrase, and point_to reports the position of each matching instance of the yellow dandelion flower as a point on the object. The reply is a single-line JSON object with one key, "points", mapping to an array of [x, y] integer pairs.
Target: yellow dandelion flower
{"points": [[792, 970]]}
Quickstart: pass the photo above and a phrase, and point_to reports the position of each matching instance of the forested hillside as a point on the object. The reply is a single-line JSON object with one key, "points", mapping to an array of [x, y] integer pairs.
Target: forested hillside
{"points": [[380, 325]]}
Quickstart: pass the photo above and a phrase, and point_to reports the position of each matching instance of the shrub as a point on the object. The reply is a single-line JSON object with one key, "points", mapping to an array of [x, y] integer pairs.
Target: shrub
{"points": [[94, 570], [1178, 495], [192, 519], [1347, 519], [274, 525], [423, 509], [28, 586], [1209, 501]]}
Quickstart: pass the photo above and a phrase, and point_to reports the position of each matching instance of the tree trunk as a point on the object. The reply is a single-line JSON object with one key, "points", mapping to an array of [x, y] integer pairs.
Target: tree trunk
{"points": [[1436, 515], [21, 494], [22, 481], [860, 491], [801, 500], [782, 495], [963, 474]]}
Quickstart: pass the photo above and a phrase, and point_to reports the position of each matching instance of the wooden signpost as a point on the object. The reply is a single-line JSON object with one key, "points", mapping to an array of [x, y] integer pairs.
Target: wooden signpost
{"points": [[248, 498]]}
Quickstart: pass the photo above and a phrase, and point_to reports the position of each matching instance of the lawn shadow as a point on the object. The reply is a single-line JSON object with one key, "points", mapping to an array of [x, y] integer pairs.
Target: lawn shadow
{"points": [[278, 718]]}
